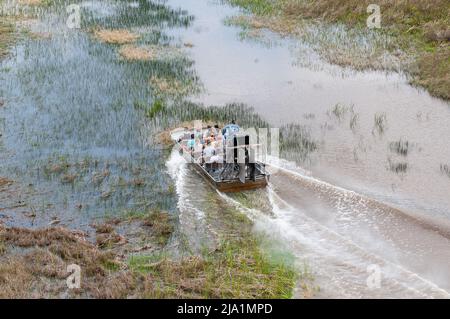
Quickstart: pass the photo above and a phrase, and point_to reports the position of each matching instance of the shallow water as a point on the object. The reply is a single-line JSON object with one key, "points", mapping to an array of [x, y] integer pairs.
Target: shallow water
{"points": [[71, 128], [284, 85], [270, 79], [72, 109]]}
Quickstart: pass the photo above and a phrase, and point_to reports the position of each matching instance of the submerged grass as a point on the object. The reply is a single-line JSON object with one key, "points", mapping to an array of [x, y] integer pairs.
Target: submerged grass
{"points": [[133, 53], [380, 123], [6, 36], [419, 29], [445, 169], [116, 36], [400, 147]]}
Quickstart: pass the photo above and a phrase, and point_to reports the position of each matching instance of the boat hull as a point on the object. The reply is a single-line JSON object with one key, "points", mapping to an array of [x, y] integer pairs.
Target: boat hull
{"points": [[231, 186]]}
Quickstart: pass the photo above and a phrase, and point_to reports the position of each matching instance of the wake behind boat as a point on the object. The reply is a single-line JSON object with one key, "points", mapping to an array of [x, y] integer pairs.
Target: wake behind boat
{"points": [[226, 158]]}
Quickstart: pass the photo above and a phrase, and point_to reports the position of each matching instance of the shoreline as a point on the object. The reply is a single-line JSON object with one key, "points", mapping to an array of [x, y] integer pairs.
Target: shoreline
{"points": [[413, 40]]}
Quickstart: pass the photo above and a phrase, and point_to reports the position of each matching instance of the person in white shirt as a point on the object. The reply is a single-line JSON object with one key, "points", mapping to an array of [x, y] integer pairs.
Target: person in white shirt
{"points": [[216, 158], [208, 151]]}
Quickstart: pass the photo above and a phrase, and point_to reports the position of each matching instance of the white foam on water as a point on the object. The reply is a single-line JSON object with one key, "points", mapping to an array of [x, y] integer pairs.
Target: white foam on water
{"points": [[191, 216], [339, 264]]}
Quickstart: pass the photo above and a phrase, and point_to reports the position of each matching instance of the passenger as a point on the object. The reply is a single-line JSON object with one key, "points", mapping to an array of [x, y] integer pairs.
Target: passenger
{"points": [[218, 142], [191, 143], [208, 151], [199, 136], [230, 129], [216, 159], [213, 130], [207, 133], [186, 135]]}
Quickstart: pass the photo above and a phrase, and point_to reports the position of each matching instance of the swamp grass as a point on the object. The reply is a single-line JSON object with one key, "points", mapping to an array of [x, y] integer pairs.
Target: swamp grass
{"points": [[419, 30], [6, 36], [33, 264]]}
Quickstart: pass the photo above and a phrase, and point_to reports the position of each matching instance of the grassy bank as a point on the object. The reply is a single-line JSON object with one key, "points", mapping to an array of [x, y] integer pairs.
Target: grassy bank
{"points": [[6, 37], [419, 28], [134, 264]]}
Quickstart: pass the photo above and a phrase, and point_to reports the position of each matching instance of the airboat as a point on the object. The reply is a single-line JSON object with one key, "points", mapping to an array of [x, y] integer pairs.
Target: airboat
{"points": [[232, 166]]}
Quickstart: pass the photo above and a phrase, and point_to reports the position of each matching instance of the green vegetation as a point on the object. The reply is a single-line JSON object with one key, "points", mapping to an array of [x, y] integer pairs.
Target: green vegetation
{"points": [[156, 108], [420, 28], [161, 224], [238, 268], [256, 6], [6, 36]]}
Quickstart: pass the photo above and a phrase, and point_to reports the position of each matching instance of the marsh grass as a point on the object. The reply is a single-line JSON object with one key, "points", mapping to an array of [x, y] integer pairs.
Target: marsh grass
{"points": [[33, 2], [415, 35], [262, 7], [296, 139], [397, 167], [133, 53], [445, 169], [6, 37], [155, 109], [161, 224], [238, 269], [5, 182], [164, 53], [173, 88], [340, 110], [354, 121], [380, 123], [123, 36], [434, 71], [400, 147]]}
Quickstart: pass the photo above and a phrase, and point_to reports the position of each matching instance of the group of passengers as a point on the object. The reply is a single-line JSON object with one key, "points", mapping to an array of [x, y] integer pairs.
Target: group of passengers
{"points": [[207, 146]]}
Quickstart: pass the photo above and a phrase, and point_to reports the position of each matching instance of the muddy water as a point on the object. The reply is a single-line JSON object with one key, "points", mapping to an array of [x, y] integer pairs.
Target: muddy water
{"points": [[267, 78], [385, 190], [71, 112]]}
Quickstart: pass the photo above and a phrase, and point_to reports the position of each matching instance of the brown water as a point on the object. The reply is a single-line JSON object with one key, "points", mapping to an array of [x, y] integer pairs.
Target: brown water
{"points": [[370, 194]]}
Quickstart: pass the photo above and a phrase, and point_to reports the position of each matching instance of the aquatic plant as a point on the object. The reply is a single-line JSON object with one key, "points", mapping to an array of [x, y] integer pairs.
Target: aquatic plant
{"points": [[380, 123], [6, 37], [134, 53], [173, 88], [116, 36], [156, 108], [397, 167], [400, 147], [151, 53], [161, 224], [445, 169], [339, 110], [354, 121], [296, 140]]}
